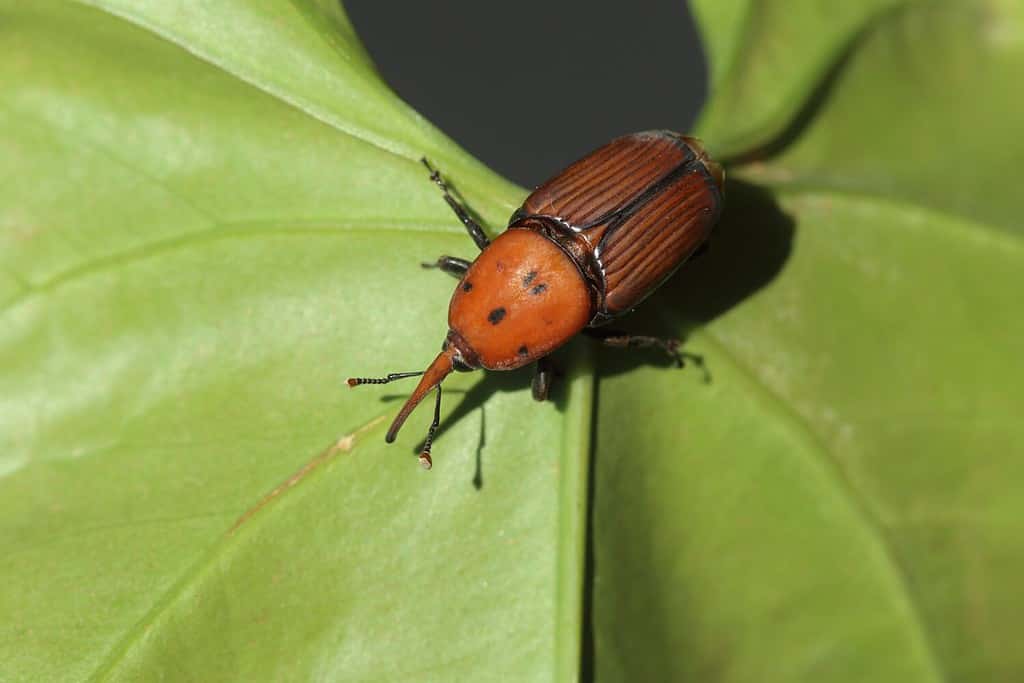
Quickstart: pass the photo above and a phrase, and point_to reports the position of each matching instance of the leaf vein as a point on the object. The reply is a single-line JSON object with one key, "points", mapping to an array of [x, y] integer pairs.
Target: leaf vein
{"points": [[220, 232], [858, 508], [194, 573]]}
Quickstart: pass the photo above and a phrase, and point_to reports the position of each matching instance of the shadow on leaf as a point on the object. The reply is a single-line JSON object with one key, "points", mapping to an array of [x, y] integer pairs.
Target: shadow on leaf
{"points": [[749, 248]]}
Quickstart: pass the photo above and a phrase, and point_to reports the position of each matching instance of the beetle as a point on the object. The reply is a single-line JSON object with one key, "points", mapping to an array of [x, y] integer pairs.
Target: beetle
{"points": [[585, 248]]}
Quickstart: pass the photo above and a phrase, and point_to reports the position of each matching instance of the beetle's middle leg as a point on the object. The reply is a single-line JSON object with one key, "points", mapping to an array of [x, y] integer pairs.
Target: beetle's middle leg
{"points": [[472, 227], [624, 340], [453, 265], [543, 375]]}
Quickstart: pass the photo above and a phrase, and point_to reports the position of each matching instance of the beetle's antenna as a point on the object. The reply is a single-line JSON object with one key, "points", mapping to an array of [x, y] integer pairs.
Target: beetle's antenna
{"points": [[425, 460], [356, 381], [438, 370]]}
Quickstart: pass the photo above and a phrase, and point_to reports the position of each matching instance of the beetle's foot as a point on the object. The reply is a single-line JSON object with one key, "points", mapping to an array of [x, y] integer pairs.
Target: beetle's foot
{"points": [[671, 347], [544, 375], [435, 175]]}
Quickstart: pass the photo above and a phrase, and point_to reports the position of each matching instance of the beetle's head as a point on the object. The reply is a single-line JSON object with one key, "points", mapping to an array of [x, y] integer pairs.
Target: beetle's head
{"points": [[714, 168], [455, 355], [464, 358]]}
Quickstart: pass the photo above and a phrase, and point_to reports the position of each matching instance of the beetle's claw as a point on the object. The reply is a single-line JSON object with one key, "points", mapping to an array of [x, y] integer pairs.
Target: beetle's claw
{"points": [[672, 348], [425, 461]]}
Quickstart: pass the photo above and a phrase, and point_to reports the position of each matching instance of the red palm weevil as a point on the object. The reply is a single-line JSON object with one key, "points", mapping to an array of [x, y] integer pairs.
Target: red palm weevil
{"points": [[584, 248]]}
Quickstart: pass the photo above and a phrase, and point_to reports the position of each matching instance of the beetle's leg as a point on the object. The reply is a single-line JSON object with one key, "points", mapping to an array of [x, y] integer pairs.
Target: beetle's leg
{"points": [[543, 376], [624, 340], [450, 264], [425, 460], [472, 227]]}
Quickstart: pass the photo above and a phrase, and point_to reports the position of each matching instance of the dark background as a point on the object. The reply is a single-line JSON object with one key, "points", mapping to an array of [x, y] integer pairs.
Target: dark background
{"points": [[529, 87]]}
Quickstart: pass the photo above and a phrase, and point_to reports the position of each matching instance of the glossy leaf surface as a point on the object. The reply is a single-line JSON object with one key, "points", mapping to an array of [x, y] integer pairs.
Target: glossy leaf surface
{"points": [[840, 503], [202, 238], [213, 213]]}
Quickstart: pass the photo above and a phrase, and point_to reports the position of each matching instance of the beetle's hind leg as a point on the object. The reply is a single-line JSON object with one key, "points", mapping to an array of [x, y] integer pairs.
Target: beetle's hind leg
{"points": [[543, 376], [624, 340], [472, 227], [453, 265]]}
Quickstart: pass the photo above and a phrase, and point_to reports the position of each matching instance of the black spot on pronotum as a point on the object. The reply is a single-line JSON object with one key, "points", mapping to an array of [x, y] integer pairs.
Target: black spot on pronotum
{"points": [[496, 316], [523, 351], [539, 289], [466, 286], [529, 278]]}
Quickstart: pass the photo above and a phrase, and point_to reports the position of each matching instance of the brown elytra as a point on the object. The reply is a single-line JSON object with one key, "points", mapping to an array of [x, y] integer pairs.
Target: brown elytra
{"points": [[585, 248]]}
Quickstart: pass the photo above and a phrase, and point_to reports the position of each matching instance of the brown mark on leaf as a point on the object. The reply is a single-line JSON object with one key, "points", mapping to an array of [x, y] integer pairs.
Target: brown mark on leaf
{"points": [[342, 445]]}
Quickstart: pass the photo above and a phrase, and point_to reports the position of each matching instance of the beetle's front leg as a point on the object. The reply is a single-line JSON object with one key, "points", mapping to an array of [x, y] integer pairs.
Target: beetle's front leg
{"points": [[624, 340], [543, 375], [452, 265], [472, 227]]}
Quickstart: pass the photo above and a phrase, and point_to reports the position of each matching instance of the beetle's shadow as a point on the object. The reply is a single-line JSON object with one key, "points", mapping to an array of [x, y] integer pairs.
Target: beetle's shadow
{"points": [[748, 249], [474, 400]]}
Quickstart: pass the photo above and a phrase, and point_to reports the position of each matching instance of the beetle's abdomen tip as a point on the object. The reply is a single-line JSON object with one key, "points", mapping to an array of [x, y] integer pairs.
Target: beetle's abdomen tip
{"points": [[714, 168], [717, 172]]}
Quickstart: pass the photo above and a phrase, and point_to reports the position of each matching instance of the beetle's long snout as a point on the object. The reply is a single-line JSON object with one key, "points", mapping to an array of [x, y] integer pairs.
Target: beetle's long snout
{"points": [[438, 370]]}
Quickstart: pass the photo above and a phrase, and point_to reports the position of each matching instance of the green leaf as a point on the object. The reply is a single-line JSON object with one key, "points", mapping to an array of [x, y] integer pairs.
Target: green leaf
{"points": [[765, 57], [841, 502], [925, 112], [214, 213]]}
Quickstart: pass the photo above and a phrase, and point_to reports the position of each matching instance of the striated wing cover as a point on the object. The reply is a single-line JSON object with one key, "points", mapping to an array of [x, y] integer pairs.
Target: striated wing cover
{"points": [[607, 180], [643, 247], [643, 204]]}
